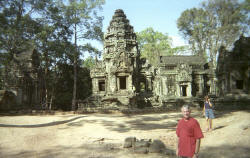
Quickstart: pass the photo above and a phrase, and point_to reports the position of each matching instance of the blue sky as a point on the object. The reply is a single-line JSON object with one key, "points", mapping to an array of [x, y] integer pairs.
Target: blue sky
{"points": [[162, 15]]}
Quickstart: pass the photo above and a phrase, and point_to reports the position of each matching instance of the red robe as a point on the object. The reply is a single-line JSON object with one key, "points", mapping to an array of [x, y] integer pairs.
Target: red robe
{"points": [[188, 131]]}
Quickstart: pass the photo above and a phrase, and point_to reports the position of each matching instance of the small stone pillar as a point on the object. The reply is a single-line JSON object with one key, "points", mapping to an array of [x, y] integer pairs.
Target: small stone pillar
{"points": [[178, 90], [200, 82], [189, 89], [149, 83]]}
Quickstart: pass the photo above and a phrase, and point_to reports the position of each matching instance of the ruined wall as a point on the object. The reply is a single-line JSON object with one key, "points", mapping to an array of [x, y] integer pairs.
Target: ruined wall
{"points": [[21, 76], [233, 69]]}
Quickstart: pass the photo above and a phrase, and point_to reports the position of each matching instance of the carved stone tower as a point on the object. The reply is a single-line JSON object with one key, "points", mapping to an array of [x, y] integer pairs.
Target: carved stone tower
{"points": [[116, 75]]}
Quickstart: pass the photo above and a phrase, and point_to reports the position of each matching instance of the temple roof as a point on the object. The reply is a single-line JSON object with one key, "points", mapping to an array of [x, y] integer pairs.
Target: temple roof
{"points": [[175, 59], [119, 22]]}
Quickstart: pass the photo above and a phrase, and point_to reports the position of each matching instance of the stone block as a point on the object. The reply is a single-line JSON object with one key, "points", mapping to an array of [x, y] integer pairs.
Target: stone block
{"points": [[141, 143], [157, 146], [129, 142], [141, 150]]}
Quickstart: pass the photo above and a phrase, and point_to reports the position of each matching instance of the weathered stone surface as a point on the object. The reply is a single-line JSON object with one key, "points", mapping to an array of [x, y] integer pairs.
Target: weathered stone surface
{"points": [[174, 81], [114, 76], [233, 69], [129, 142], [156, 147], [142, 143], [123, 75], [7, 100], [21, 76], [141, 150]]}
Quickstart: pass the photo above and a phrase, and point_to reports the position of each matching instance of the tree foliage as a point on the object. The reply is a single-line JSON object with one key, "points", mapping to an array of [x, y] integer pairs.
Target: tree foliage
{"points": [[57, 29], [88, 62], [84, 23], [153, 44], [216, 23]]}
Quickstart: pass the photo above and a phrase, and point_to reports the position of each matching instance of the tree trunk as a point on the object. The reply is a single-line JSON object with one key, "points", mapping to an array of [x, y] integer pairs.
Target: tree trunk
{"points": [[73, 107], [45, 79], [74, 88]]}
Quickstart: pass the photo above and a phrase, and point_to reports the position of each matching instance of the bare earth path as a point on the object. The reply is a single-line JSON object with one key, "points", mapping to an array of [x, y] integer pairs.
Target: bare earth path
{"points": [[102, 135]]}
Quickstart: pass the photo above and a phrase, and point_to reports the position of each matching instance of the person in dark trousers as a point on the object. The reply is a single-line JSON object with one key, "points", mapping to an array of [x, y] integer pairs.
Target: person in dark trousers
{"points": [[208, 113], [189, 135]]}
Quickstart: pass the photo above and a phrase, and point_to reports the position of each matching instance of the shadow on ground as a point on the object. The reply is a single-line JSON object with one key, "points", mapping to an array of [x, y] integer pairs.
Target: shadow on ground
{"points": [[225, 151], [134, 123], [83, 151], [115, 151], [42, 125]]}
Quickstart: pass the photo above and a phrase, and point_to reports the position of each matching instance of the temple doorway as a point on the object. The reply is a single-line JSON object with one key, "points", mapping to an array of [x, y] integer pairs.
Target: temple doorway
{"points": [[184, 90], [123, 83]]}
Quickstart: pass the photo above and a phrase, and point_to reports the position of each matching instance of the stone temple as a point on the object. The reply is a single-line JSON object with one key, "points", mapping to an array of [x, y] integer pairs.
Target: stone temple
{"points": [[123, 79], [116, 77]]}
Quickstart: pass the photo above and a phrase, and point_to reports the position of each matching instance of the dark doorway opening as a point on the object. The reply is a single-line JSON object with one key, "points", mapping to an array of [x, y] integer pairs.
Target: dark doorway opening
{"points": [[207, 90], [239, 84], [184, 90], [101, 85], [123, 84]]}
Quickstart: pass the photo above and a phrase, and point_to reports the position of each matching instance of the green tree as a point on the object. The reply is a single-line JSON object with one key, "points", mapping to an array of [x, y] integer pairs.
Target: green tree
{"points": [[54, 43], [154, 44], [188, 24], [84, 23], [89, 62], [218, 22], [18, 28]]}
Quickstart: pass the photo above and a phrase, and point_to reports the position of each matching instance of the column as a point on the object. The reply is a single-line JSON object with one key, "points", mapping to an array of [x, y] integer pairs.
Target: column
{"points": [[149, 83], [189, 88], [200, 83], [178, 90], [94, 87], [129, 85]]}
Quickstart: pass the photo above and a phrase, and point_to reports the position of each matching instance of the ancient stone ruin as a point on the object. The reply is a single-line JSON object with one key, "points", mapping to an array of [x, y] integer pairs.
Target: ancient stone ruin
{"points": [[145, 146], [115, 79], [122, 79], [233, 75], [21, 80]]}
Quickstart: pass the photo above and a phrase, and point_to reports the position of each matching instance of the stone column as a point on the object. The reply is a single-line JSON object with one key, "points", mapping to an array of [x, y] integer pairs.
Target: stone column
{"points": [[212, 85], [200, 83], [19, 95], [164, 87], [149, 83], [178, 90], [113, 83], [129, 85], [95, 85], [189, 89]]}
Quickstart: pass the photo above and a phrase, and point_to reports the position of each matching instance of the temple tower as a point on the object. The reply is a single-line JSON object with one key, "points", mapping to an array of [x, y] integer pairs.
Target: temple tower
{"points": [[116, 75]]}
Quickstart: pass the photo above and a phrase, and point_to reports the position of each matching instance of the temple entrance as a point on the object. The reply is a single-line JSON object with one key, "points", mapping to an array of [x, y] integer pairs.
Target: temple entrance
{"points": [[101, 85], [123, 84], [239, 84], [184, 90]]}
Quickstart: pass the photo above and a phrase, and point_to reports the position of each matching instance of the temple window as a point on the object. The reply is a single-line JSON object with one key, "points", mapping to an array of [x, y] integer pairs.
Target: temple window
{"points": [[101, 84]]}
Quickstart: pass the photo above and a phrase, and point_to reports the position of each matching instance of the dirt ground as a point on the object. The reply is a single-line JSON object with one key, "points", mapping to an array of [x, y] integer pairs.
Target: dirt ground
{"points": [[102, 135]]}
